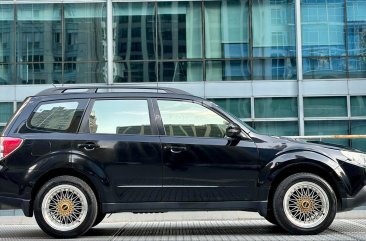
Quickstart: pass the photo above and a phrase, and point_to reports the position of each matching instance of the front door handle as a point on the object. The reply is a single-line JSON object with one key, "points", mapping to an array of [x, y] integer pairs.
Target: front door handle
{"points": [[175, 148], [89, 146]]}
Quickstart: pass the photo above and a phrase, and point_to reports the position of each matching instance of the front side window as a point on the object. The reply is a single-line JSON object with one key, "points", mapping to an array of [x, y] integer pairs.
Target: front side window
{"points": [[125, 117], [55, 116], [191, 119]]}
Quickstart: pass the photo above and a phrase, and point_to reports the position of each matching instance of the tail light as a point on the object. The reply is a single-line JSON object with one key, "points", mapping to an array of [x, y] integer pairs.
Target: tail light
{"points": [[8, 145]]}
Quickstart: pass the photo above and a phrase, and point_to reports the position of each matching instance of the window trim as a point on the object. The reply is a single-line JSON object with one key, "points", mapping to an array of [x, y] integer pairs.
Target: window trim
{"points": [[84, 128]]}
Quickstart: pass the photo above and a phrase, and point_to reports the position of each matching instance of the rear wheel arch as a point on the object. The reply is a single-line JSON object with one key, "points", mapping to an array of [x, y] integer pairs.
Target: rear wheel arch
{"points": [[63, 172]]}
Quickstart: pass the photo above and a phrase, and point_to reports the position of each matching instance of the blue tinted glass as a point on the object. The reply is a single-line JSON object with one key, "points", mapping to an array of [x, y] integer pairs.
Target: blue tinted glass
{"points": [[134, 72], [6, 110], [273, 28], [325, 106], [324, 68], [6, 34], [313, 128], [238, 107], [180, 71], [227, 70], [358, 127], [6, 74], [275, 107], [323, 27], [356, 24], [357, 66], [278, 128], [275, 69]]}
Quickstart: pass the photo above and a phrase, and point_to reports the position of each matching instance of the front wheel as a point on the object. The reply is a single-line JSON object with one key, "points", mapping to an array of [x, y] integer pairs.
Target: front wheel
{"points": [[65, 207], [304, 203]]}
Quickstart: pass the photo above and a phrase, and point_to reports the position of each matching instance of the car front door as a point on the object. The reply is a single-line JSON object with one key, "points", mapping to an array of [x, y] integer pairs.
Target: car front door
{"points": [[199, 162], [120, 137]]}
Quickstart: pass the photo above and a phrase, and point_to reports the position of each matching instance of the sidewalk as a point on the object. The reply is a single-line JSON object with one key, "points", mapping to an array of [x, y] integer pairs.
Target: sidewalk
{"points": [[177, 216]]}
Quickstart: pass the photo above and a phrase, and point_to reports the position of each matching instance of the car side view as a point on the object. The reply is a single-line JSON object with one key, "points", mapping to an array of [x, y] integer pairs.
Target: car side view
{"points": [[71, 155]]}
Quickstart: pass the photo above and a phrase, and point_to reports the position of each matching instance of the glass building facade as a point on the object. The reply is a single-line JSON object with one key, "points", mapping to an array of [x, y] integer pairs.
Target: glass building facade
{"points": [[286, 67]]}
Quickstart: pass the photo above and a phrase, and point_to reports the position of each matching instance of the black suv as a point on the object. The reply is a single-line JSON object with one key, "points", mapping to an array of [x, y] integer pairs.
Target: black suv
{"points": [[71, 155]]}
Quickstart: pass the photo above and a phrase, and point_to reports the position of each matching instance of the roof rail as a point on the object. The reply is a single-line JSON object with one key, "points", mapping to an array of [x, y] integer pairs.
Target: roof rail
{"points": [[96, 89]]}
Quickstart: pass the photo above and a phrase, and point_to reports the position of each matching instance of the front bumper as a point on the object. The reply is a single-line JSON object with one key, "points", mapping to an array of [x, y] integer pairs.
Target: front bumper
{"points": [[355, 201], [25, 205]]}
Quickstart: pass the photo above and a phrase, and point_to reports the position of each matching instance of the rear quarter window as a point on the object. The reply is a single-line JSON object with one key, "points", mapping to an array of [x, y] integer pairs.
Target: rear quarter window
{"points": [[57, 116]]}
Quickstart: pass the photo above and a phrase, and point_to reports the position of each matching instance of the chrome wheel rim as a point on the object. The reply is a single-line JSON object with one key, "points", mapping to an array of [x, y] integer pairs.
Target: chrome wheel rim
{"points": [[306, 204], [64, 207]]}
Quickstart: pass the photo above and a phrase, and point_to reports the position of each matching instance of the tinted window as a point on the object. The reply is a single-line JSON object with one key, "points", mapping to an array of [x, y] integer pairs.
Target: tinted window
{"points": [[129, 117], [54, 116], [190, 119]]}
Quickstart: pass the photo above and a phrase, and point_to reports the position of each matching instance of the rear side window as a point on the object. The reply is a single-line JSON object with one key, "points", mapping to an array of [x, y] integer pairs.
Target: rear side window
{"points": [[124, 117], [56, 116]]}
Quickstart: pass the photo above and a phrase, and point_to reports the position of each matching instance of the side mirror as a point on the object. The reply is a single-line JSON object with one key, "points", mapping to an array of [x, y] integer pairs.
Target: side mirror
{"points": [[233, 130]]}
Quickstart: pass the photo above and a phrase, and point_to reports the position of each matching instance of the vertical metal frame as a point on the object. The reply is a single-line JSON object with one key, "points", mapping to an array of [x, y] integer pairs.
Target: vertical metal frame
{"points": [[109, 26], [300, 98]]}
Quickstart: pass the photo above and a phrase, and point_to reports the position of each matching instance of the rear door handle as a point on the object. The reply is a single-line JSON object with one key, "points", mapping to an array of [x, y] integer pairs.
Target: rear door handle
{"points": [[89, 146], [175, 148]]}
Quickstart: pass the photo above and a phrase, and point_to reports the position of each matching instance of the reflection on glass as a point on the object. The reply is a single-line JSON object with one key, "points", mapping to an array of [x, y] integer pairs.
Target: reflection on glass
{"points": [[274, 69], [179, 30], [134, 72], [277, 128], [226, 28], [358, 127], [6, 111], [78, 72], [228, 70], [134, 25], [323, 28], [330, 127], [190, 119], [37, 26], [325, 106], [357, 65], [6, 74], [6, 34], [85, 32], [273, 28], [130, 117], [275, 107], [324, 68], [236, 106], [38, 73], [356, 26], [180, 71], [358, 106]]}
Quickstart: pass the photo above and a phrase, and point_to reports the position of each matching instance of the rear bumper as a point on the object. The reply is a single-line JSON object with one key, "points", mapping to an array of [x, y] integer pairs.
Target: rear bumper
{"points": [[355, 201], [18, 203]]}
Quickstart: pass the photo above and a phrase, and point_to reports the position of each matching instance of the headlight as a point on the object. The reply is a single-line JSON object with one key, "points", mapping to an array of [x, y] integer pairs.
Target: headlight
{"points": [[355, 157]]}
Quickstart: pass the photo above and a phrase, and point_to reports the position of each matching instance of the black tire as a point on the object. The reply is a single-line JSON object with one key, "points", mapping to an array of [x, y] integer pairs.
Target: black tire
{"points": [[320, 188], [89, 216], [99, 218], [271, 218]]}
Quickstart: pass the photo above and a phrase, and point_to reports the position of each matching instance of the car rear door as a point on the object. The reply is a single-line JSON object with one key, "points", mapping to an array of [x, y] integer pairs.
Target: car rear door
{"points": [[120, 135]]}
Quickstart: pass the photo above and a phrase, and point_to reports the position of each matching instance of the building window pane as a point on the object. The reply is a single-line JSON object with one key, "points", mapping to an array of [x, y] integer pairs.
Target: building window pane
{"points": [[135, 72], [131, 117], [277, 128], [6, 34], [179, 30], [6, 73], [358, 106], [135, 31], [274, 69], [325, 106], [323, 28], [6, 111], [358, 127], [356, 25], [273, 28], [357, 65], [313, 128], [226, 29], [180, 71], [324, 68], [78, 73], [1, 130], [275, 107], [36, 25], [228, 70], [238, 107], [85, 27], [38, 73]]}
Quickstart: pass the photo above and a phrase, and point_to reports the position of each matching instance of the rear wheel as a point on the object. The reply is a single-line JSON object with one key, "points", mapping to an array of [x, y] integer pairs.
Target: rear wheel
{"points": [[65, 207], [304, 203]]}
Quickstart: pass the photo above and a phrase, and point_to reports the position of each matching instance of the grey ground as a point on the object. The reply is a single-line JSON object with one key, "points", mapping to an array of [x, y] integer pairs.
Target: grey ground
{"points": [[210, 226]]}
